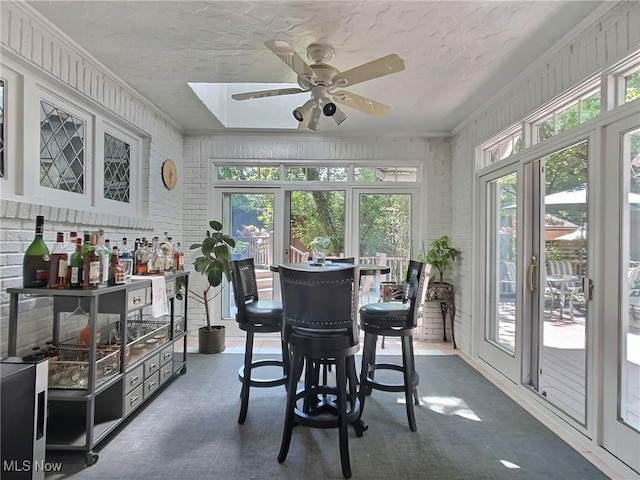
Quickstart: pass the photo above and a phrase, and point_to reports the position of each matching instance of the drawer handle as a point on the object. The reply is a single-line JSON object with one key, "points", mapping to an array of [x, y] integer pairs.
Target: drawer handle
{"points": [[137, 300], [134, 399], [167, 354], [153, 366], [134, 379], [152, 384]]}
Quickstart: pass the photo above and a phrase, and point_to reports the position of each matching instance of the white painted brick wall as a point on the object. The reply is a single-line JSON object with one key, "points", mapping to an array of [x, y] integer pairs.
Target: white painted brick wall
{"points": [[43, 54]]}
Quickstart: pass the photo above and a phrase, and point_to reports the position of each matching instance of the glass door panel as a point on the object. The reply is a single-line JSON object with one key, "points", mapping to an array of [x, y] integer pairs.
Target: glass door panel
{"points": [[562, 332], [251, 226], [501, 258], [621, 390], [629, 388], [384, 233], [315, 213]]}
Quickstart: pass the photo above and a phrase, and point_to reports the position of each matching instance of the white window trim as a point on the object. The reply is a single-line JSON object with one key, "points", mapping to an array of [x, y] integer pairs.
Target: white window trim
{"points": [[46, 194], [11, 183]]}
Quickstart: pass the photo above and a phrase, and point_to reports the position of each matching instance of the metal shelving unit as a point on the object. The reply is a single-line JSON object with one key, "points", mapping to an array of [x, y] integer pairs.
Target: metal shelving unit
{"points": [[81, 414]]}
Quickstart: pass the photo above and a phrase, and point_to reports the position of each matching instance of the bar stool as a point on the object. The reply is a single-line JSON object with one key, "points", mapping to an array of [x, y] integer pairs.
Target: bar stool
{"points": [[255, 316], [320, 323], [394, 319]]}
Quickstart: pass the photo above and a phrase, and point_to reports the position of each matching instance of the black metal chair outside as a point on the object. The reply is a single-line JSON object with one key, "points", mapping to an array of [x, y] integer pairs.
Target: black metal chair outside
{"points": [[394, 319], [320, 322], [255, 316]]}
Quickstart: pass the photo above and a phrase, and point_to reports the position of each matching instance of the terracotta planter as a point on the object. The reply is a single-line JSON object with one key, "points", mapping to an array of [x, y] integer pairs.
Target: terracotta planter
{"points": [[211, 341]]}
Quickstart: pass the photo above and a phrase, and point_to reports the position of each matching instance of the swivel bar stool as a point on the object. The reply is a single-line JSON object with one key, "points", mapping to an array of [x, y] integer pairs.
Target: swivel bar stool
{"points": [[255, 316], [320, 322], [394, 319]]}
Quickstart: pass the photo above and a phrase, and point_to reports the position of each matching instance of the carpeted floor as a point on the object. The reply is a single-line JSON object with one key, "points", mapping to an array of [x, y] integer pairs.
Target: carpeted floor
{"points": [[467, 429]]}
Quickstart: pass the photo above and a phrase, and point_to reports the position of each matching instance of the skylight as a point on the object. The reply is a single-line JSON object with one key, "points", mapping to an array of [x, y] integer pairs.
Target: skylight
{"points": [[269, 112]]}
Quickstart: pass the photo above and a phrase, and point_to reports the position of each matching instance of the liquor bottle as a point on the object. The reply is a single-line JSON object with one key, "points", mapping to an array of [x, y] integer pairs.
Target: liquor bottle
{"points": [[118, 272], [178, 258], [75, 267], [35, 264], [71, 245], [58, 264], [103, 253], [157, 257], [140, 258], [91, 265], [126, 259]]}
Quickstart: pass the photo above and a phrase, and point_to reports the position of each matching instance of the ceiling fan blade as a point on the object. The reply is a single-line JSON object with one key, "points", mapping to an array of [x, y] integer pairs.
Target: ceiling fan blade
{"points": [[267, 93], [285, 53], [363, 104], [377, 68]]}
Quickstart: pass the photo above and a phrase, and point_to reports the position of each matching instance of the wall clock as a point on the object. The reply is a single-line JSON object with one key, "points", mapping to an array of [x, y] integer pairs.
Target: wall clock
{"points": [[169, 174]]}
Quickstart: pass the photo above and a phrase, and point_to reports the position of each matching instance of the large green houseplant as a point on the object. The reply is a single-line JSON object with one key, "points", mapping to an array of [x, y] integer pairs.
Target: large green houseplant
{"points": [[441, 252], [213, 263]]}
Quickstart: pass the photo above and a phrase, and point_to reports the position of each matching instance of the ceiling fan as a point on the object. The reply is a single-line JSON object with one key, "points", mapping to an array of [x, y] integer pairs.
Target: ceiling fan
{"points": [[324, 82]]}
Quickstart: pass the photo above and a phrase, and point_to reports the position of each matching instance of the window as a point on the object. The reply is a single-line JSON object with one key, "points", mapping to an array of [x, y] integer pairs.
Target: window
{"points": [[385, 174], [570, 114], [240, 173], [503, 148], [117, 175], [62, 149], [632, 87], [319, 174]]}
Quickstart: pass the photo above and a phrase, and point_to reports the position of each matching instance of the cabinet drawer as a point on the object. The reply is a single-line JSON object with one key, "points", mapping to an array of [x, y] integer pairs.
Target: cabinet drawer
{"points": [[171, 288], [152, 366], [151, 384], [133, 378], [166, 354], [133, 399], [165, 372], [138, 298]]}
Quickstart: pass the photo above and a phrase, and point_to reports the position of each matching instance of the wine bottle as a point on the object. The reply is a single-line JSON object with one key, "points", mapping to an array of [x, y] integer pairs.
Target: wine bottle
{"points": [[91, 266], [35, 265], [75, 266], [126, 259], [58, 263]]}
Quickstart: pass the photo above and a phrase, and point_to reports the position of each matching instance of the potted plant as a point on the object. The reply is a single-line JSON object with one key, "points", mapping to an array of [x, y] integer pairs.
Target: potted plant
{"points": [[319, 246], [214, 264], [440, 253]]}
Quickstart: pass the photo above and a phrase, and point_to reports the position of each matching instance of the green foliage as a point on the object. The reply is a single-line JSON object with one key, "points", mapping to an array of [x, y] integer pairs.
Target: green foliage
{"points": [[213, 262], [440, 253]]}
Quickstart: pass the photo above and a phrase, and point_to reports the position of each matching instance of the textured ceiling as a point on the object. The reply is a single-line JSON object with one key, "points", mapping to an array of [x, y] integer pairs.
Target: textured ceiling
{"points": [[457, 54]]}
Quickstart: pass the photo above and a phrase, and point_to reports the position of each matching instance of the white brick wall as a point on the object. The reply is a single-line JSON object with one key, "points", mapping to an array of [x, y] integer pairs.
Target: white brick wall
{"points": [[41, 53]]}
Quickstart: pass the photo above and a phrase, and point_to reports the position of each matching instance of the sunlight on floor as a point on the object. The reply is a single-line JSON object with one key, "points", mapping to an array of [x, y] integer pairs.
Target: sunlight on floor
{"points": [[450, 406], [509, 464]]}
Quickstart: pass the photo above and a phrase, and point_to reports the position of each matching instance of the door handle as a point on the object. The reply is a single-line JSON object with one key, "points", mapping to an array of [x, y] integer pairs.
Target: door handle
{"points": [[532, 277], [587, 288]]}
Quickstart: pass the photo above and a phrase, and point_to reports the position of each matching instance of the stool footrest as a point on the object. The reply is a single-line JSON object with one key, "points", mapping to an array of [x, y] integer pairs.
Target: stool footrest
{"points": [[264, 382], [389, 387], [323, 413]]}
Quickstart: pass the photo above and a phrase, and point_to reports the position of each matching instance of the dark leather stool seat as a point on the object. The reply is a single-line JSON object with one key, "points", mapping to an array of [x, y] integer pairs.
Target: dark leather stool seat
{"points": [[320, 324], [394, 319], [255, 316]]}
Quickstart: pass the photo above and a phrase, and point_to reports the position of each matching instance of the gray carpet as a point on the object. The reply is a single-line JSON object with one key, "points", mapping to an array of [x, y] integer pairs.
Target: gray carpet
{"points": [[467, 429]]}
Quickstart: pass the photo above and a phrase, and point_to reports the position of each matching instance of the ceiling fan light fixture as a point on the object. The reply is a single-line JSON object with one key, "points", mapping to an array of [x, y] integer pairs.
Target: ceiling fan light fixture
{"points": [[298, 115], [329, 109], [339, 116], [314, 122]]}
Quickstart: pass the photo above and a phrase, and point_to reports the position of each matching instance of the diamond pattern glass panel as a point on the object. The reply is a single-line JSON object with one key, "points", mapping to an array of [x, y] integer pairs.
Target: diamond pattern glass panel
{"points": [[117, 162], [62, 147]]}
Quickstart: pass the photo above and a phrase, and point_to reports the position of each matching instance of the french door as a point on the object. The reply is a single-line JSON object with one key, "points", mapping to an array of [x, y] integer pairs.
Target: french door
{"points": [[621, 329], [559, 291], [500, 266]]}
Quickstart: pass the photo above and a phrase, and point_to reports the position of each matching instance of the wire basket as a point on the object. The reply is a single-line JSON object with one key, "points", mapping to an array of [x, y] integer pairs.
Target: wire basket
{"points": [[144, 336], [69, 368]]}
